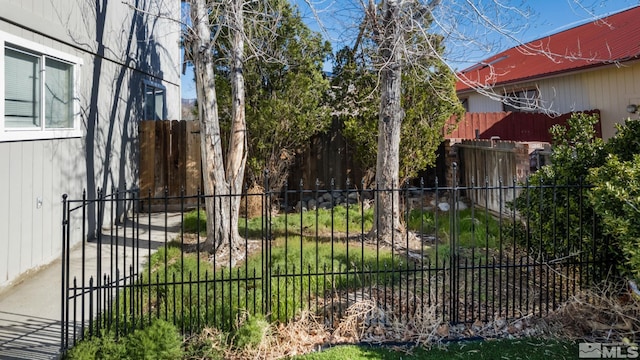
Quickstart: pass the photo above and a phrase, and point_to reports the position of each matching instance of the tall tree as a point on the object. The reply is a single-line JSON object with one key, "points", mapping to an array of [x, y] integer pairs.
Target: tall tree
{"points": [[220, 178], [266, 41], [397, 29], [428, 100], [285, 89], [399, 32]]}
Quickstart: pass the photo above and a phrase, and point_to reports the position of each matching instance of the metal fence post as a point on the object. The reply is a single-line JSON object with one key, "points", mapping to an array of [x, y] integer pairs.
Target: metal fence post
{"points": [[453, 248], [63, 282], [266, 248]]}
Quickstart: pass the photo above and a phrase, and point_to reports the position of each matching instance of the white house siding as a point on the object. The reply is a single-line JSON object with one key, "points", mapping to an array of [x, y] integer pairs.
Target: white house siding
{"points": [[480, 103], [611, 90], [34, 171], [111, 104], [608, 89]]}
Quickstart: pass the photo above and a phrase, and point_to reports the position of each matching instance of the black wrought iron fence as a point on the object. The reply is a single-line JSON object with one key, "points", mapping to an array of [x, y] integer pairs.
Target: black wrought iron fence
{"points": [[311, 250]]}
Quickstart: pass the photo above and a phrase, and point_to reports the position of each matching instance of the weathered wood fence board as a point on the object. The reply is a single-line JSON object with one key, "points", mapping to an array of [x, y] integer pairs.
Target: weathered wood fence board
{"points": [[489, 165], [514, 126], [169, 160]]}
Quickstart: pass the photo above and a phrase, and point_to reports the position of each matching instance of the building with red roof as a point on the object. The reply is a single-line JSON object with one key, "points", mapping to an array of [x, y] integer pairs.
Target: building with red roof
{"points": [[588, 67]]}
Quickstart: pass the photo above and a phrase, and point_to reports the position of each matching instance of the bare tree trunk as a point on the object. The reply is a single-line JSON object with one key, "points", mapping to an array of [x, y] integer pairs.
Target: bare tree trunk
{"points": [[222, 212], [387, 209], [237, 152]]}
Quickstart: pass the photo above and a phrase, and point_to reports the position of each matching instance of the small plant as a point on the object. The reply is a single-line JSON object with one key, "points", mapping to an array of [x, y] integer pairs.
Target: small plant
{"points": [[252, 332], [195, 221], [161, 340], [104, 347]]}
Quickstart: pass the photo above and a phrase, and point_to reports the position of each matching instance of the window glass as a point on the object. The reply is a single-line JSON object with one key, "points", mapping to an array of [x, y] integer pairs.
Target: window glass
{"points": [[58, 95], [39, 99], [159, 104], [465, 104], [521, 101], [154, 103], [21, 89]]}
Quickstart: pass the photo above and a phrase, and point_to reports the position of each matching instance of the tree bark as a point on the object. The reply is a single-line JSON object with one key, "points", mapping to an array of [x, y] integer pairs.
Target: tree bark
{"points": [[222, 208], [237, 152], [387, 204]]}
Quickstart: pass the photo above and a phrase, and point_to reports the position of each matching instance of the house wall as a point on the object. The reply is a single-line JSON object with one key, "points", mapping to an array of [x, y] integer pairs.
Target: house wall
{"points": [[609, 89], [480, 103], [121, 49]]}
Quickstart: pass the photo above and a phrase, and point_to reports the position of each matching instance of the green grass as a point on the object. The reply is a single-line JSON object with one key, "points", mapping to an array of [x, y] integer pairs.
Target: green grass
{"points": [[339, 219], [195, 220], [529, 349], [473, 228], [193, 292], [324, 222], [188, 291]]}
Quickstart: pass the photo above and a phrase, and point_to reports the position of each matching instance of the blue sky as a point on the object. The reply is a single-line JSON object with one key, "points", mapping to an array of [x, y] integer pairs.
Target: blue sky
{"points": [[546, 17]]}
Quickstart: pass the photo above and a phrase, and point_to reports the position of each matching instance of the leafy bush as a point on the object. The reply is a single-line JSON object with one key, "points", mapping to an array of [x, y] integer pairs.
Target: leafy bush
{"points": [[161, 340], [626, 143], [555, 204], [252, 332], [563, 216], [616, 198], [104, 347]]}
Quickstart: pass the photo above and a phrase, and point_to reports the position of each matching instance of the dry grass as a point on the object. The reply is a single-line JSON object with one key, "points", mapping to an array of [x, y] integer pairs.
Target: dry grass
{"points": [[605, 314], [363, 322], [251, 204], [598, 315]]}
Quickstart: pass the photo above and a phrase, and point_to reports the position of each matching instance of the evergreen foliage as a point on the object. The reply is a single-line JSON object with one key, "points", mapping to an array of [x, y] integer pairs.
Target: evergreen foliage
{"points": [[616, 195], [562, 216], [428, 101], [285, 91]]}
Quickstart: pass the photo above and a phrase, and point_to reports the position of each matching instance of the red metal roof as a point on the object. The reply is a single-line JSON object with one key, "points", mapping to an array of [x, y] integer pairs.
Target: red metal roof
{"points": [[609, 40]]}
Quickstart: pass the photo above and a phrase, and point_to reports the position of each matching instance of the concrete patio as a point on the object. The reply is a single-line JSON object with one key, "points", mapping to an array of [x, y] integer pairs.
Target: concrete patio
{"points": [[30, 309]]}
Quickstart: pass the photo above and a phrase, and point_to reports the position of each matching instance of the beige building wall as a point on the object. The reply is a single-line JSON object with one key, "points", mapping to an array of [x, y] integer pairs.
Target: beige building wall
{"points": [[609, 89]]}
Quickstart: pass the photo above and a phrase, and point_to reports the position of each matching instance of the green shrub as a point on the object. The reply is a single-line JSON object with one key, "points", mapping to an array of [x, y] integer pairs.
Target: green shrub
{"points": [[103, 347], [161, 340], [564, 218], [555, 206], [251, 333], [616, 198], [626, 143]]}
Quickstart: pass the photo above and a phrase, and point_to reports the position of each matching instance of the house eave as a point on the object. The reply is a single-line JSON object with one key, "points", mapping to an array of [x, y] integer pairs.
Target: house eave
{"points": [[557, 74]]}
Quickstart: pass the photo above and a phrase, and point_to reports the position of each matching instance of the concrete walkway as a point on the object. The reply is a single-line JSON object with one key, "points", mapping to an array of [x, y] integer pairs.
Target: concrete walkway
{"points": [[30, 310]]}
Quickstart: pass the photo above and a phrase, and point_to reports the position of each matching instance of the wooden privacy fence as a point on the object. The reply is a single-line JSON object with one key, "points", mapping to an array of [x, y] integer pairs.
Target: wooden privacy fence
{"points": [[169, 161], [514, 126], [486, 164]]}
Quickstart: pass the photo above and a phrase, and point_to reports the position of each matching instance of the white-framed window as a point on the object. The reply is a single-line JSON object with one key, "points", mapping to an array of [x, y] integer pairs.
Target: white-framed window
{"points": [[521, 101], [39, 91], [154, 101], [465, 104]]}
